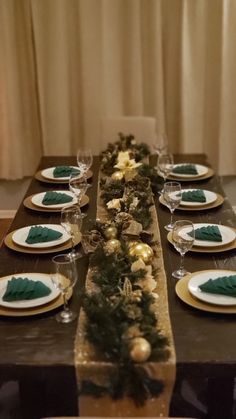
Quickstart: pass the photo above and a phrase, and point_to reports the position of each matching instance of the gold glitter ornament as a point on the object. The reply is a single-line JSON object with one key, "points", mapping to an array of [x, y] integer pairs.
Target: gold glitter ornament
{"points": [[110, 232], [132, 243], [113, 246], [140, 349], [118, 175], [142, 251]]}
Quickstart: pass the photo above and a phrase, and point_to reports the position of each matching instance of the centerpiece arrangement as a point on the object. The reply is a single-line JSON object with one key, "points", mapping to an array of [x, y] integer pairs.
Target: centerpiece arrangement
{"points": [[121, 304]]}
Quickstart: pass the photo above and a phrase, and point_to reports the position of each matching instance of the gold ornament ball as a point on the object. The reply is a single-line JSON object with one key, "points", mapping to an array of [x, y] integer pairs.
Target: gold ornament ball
{"points": [[118, 175], [143, 251], [110, 232], [140, 349], [132, 243], [113, 246]]}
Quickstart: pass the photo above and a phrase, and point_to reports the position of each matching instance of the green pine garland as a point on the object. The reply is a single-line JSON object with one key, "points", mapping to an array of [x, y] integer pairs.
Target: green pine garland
{"points": [[114, 317]]}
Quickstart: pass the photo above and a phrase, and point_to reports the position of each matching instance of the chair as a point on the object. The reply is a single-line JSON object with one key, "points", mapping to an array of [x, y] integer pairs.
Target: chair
{"points": [[142, 127]]}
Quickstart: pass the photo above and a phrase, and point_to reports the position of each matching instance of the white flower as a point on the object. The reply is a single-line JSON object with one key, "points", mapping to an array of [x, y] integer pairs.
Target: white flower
{"points": [[123, 156], [114, 204], [127, 165]]}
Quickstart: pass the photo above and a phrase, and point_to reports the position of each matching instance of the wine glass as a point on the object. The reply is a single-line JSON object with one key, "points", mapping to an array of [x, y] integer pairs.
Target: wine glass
{"points": [[172, 195], [78, 186], [84, 160], [64, 276], [165, 163], [183, 239], [161, 144], [71, 221]]}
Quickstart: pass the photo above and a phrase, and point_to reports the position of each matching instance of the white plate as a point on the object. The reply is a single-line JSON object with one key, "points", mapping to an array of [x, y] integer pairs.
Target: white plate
{"points": [[202, 170], [45, 278], [210, 197], [38, 198], [227, 233], [48, 173], [198, 278], [19, 236]]}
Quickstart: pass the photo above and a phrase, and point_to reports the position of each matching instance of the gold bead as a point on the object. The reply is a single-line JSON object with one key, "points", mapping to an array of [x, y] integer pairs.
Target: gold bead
{"points": [[140, 349], [110, 232], [118, 175], [143, 251], [112, 245]]}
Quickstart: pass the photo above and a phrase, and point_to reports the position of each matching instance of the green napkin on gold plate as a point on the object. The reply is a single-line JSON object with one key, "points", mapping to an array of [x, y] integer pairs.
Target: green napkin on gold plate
{"points": [[208, 233], [39, 234], [225, 285], [185, 169], [197, 195], [65, 171], [25, 289], [54, 198]]}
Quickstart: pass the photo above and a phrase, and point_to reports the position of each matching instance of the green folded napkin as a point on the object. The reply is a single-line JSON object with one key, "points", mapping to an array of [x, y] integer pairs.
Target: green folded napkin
{"points": [[53, 198], [39, 234], [209, 233], [25, 289], [225, 285], [185, 169], [65, 171], [197, 195]]}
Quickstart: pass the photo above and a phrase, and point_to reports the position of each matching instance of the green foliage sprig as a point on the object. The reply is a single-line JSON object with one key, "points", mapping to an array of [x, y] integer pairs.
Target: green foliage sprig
{"points": [[138, 151]]}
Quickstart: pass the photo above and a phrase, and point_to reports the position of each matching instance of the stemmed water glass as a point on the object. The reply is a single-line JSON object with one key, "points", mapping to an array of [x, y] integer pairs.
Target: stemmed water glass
{"points": [[172, 195], [161, 144], [183, 239], [71, 221], [64, 276], [165, 163], [78, 186], [84, 160]]}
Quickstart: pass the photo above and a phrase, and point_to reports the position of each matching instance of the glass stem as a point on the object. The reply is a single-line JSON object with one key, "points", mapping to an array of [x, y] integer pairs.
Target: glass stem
{"points": [[65, 302], [171, 217], [181, 262]]}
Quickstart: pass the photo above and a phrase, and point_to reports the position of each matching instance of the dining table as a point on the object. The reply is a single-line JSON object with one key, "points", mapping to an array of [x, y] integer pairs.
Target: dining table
{"points": [[37, 353]]}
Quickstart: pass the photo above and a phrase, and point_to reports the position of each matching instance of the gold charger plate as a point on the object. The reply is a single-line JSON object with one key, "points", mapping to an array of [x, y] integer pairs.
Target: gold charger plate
{"points": [[183, 293], [209, 249], [209, 174], [29, 204], [38, 175], [219, 201], [59, 248]]}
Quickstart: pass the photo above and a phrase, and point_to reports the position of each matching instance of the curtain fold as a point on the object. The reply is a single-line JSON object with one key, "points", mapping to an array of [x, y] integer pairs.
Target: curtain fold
{"points": [[68, 64]]}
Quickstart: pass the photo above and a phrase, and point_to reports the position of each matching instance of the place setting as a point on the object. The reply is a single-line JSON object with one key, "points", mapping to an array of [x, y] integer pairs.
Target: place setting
{"points": [[59, 174], [208, 238], [28, 294], [53, 201], [212, 290], [186, 172], [43, 238], [196, 200], [62, 173]]}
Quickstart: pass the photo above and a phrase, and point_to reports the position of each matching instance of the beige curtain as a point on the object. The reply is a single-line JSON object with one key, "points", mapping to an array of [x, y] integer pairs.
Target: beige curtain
{"points": [[69, 63]]}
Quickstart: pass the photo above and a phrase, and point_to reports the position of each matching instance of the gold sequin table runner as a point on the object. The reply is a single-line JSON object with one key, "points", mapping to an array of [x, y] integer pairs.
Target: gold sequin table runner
{"points": [[90, 365]]}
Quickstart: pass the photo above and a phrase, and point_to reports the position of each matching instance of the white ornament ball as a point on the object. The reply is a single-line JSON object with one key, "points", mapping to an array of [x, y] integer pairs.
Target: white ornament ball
{"points": [[140, 349]]}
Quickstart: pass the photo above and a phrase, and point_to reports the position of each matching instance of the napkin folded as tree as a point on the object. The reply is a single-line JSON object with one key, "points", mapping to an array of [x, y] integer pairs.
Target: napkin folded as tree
{"points": [[65, 171], [185, 169], [39, 234], [53, 198], [25, 289], [209, 233], [196, 195], [225, 285]]}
